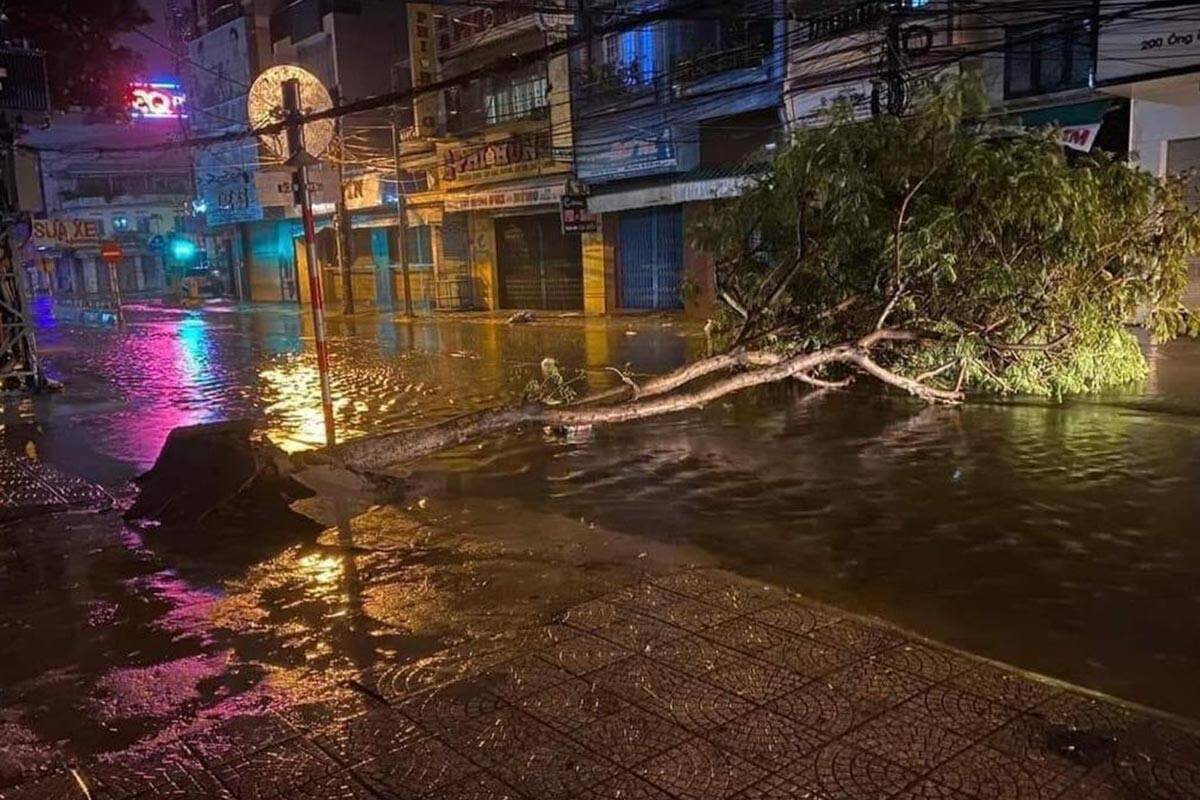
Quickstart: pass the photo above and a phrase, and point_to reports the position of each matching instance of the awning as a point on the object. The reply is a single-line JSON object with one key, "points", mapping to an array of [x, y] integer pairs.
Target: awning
{"points": [[1079, 122], [698, 185]]}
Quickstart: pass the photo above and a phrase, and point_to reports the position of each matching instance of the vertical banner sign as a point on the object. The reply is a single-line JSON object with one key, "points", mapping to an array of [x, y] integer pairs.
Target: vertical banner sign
{"points": [[422, 55], [575, 216]]}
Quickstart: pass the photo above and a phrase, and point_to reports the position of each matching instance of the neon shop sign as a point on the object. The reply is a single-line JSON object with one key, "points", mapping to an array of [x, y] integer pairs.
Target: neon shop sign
{"points": [[156, 100]]}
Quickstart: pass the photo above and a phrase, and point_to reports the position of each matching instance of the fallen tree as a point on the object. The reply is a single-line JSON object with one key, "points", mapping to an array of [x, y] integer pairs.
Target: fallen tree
{"points": [[937, 253]]}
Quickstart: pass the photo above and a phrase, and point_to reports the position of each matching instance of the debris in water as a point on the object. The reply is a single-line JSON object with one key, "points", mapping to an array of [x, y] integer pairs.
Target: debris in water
{"points": [[570, 434], [520, 317], [1083, 747], [82, 786]]}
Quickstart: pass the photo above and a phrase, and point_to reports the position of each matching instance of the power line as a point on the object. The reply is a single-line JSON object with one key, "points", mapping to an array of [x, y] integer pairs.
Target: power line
{"points": [[633, 21]]}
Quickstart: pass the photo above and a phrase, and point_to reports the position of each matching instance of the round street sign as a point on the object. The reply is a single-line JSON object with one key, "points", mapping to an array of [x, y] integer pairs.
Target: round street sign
{"points": [[111, 252], [157, 243]]}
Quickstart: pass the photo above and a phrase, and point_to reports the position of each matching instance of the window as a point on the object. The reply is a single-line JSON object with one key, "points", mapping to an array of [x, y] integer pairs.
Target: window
{"points": [[1041, 58], [713, 46], [629, 58], [521, 95], [419, 244], [143, 223]]}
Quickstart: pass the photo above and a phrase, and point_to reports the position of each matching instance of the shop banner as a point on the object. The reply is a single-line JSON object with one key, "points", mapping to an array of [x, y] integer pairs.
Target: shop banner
{"points": [[649, 153], [504, 198], [575, 215], [517, 156]]}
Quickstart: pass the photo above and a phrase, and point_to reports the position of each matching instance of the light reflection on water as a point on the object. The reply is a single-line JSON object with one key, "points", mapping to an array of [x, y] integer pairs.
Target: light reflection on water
{"points": [[1056, 537]]}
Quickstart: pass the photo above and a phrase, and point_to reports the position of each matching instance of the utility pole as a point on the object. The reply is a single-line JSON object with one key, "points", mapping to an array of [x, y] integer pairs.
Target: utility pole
{"points": [[401, 211], [19, 367], [300, 160], [894, 64], [341, 220]]}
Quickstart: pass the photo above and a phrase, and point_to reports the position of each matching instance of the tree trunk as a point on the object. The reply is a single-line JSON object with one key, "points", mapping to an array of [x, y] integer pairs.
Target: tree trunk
{"points": [[656, 397]]}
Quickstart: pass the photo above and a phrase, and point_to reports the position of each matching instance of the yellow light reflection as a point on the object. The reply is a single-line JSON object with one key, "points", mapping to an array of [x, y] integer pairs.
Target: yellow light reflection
{"points": [[321, 569], [294, 418]]}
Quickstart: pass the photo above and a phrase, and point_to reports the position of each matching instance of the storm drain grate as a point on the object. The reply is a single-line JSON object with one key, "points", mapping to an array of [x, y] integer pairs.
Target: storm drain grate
{"points": [[29, 488]]}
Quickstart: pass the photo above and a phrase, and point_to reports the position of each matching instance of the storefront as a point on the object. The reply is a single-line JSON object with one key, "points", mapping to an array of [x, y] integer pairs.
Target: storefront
{"points": [[502, 240], [650, 258], [538, 266]]}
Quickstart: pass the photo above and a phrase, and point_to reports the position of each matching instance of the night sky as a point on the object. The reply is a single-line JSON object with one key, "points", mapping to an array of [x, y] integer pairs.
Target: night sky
{"points": [[158, 60]]}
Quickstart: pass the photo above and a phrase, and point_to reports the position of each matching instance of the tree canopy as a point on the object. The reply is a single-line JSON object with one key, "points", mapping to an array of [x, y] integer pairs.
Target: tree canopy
{"points": [[85, 67], [977, 256], [938, 253]]}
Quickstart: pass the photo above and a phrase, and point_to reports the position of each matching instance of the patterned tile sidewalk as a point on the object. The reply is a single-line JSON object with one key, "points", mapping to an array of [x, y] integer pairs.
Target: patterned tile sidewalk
{"points": [[29, 488], [691, 687]]}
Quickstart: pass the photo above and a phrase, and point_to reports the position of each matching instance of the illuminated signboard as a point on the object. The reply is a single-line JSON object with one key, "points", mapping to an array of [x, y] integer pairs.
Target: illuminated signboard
{"points": [[156, 100]]}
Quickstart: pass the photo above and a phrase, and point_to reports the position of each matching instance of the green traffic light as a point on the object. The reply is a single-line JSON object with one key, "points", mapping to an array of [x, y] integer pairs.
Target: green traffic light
{"points": [[183, 250]]}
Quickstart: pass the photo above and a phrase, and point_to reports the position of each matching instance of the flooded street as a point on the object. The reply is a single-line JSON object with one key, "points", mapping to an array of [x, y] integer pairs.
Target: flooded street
{"points": [[1059, 538]]}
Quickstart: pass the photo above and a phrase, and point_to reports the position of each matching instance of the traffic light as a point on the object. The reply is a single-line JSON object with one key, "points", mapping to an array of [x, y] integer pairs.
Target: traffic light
{"points": [[183, 250]]}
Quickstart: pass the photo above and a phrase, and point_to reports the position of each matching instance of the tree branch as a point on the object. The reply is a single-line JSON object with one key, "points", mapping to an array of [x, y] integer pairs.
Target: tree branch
{"points": [[933, 373], [628, 381], [896, 335], [863, 361], [685, 375]]}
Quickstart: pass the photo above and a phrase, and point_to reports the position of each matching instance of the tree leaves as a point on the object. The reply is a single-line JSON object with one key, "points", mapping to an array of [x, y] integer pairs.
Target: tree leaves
{"points": [[1005, 240], [84, 67]]}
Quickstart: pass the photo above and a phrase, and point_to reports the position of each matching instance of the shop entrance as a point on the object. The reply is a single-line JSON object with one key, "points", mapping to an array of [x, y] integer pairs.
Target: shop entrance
{"points": [[539, 267], [651, 256]]}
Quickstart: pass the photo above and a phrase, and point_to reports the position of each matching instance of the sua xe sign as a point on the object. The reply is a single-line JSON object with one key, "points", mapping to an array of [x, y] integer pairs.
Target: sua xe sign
{"points": [[66, 232]]}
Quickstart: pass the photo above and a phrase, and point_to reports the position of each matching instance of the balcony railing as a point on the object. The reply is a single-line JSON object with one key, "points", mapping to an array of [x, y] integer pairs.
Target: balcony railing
{"points": [[614, 82], [845, 20], [702, 65]]}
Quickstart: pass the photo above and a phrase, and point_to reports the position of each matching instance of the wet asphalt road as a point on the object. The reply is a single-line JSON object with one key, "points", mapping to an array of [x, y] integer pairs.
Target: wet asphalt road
{"points": [[1056, 537]]}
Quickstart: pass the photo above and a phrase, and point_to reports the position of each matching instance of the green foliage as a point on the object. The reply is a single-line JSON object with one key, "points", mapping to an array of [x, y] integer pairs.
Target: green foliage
{"points": [[1023, 266], [85, 67]]}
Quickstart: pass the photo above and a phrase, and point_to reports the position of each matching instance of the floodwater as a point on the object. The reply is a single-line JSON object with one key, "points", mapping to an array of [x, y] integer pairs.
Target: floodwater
{"points": [[1057, 537]]}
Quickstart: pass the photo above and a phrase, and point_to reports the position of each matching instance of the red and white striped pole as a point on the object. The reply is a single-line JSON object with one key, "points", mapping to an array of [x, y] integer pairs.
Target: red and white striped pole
{"points": [[298, 156]]}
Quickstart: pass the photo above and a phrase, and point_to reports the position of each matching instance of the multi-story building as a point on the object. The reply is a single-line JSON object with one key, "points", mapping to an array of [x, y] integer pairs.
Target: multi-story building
{"points": [[1149, 59], [138, 200], [669, 117], [357, 49], [246, 232], [1037, 62], [503, 161]]}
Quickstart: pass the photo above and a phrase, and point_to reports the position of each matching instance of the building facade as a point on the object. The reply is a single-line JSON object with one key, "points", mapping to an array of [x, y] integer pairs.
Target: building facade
{"points": [[669, 117], [1151, 62], [139, 201], [235, 185]]}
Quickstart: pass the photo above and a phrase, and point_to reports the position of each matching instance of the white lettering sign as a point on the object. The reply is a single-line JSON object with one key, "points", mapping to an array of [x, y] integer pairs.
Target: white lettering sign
{"points": [[1142, 43]]}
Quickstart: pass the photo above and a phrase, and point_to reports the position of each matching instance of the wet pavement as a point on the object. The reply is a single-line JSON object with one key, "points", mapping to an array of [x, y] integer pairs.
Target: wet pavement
{"points": [[692, 686], [1059, 538]]}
